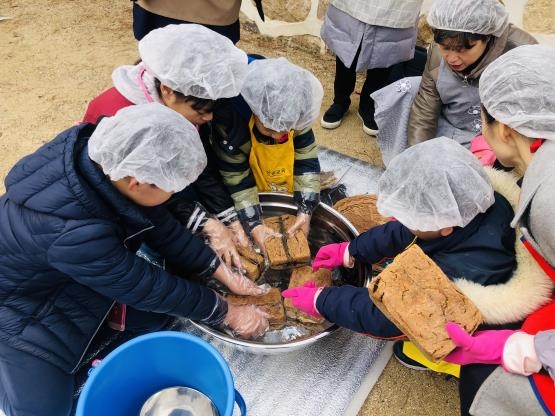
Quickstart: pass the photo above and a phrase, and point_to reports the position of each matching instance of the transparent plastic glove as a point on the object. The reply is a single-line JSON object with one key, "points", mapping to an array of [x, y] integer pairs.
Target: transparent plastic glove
{"points": [[484, 347], [237, 283], [239, 236], [332, 255], [247, 321], [220, 239], [260, 233], [302, 222], [304, 297]]}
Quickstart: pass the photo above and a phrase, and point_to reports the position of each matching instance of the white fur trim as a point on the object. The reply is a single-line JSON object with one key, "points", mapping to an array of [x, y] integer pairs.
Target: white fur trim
{"points": [[527, 289]]}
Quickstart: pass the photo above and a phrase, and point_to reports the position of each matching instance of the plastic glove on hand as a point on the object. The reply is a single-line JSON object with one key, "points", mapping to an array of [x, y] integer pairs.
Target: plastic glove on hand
{"points": [[247, 321], [237, 283], [330, 256], [484, 347], [220, 239], [302, 222], [239, 236], [260, 233], [304, 297]]}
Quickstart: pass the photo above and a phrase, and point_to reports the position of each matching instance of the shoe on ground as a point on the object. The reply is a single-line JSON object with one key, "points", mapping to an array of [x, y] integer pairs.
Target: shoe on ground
{"points": [[369, 125], [404, 359], [333, 117]]}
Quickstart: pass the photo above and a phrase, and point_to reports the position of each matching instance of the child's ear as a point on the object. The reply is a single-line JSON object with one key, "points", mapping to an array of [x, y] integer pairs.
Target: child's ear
{"points": [[444, 232], [166, 94], [506, 134]]}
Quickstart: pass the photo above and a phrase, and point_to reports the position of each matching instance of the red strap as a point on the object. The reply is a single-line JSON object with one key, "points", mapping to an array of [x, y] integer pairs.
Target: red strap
{"points": [[546, 267], [536, 145]]}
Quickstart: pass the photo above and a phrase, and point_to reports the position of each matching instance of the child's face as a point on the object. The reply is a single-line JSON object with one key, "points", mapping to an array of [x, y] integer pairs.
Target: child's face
{"points": [[144, 194], [276, 135], [459, 58]]}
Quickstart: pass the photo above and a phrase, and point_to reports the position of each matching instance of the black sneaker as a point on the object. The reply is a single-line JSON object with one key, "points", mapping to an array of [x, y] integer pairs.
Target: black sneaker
{"points": [[405, 360], [333, 116], [369, 125]]}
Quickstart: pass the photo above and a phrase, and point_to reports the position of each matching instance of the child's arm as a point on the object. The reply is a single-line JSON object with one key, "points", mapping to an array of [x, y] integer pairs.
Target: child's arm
{"points": [[306, 172], [383, 241]]}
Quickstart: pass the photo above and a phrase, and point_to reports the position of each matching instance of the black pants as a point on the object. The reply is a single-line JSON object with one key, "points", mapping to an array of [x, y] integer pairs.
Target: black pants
{"points": [[345, 80], [145, 21]]}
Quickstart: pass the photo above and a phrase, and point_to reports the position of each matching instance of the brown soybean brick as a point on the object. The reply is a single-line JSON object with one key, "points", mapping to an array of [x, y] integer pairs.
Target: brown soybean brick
{"points": [[285, 252], [415, 294], [252, 262], [361, 211], [271, 303], [299, 277]]}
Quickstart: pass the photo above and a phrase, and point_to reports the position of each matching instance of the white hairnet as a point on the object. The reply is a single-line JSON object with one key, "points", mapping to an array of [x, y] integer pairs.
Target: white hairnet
{"points": [[150, 142], [485, 17], [518, 89], [194, 60], [282, 95], [433, 185]]}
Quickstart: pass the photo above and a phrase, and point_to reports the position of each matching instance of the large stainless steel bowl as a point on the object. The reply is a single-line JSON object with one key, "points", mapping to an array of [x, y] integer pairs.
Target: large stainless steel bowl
{"points": [[327, 226]]}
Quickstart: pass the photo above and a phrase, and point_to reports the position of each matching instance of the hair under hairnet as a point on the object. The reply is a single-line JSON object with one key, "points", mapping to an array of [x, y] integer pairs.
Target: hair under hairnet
{"points": [[150, 142], [433, 185], [518, 89], [194, 60], [282, 95], [485, 17]]}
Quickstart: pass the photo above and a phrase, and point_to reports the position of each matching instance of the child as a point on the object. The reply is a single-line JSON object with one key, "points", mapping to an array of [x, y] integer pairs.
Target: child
{"points": [[72, 217], [443, 201], [187, 68], [267, 144], [518, 112]]}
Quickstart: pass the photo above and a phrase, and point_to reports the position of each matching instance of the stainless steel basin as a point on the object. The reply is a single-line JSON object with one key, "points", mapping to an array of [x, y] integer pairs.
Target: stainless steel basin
{"points": [[327, 226]]}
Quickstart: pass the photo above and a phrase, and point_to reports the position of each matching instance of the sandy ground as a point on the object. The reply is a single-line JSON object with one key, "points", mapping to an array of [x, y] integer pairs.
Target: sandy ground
{"points": [[59, 54]]}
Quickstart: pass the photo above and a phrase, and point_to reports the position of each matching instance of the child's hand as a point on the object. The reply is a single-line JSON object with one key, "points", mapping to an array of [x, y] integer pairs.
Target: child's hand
{"points": [[304, 297], [332, 255], [260, 233], [302, 222]]}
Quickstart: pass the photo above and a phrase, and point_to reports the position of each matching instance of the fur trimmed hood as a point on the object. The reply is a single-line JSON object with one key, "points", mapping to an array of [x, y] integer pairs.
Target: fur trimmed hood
{"points": [[527, 289]]}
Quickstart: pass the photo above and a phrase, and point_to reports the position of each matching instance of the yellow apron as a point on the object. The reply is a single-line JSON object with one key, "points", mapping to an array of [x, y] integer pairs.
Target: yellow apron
{"points": [[272, 164]]}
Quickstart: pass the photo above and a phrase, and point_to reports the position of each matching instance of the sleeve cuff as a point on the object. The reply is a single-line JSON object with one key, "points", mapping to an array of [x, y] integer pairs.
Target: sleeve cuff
{"points": [[519, 355]]}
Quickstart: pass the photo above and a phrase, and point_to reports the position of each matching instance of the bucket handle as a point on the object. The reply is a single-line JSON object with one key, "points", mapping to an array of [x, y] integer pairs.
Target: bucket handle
{"points": [[241, 403]]}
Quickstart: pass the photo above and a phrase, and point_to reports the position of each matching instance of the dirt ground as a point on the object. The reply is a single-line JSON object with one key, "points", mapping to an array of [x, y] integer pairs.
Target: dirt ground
{"points": [[59, 54]]}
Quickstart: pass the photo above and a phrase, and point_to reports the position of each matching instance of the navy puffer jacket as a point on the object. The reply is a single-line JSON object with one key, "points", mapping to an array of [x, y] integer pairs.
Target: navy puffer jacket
{"points": [[66, 238]]}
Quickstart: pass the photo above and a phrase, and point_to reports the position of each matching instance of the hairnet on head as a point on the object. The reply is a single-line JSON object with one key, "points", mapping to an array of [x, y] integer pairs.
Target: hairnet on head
{"points": [[194, 60], [518, 89], [150, 142], [433, 185], [484, 17], [282, 95]]}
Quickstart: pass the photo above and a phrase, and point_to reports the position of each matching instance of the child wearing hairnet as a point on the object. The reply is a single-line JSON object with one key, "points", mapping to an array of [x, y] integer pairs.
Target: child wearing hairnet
{"points": [[73, 214], [187, 68], [266, 143], [468, 36], [518, 112], [442, 200]]}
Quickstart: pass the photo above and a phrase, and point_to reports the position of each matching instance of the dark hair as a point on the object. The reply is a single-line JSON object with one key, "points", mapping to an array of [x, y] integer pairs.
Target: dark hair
{"points": [[456, 39], [487, 116], [199, 104]]}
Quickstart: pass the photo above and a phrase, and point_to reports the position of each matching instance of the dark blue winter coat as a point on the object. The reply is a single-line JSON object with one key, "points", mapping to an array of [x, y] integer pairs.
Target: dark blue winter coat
{"points": [[67, 242], [482, 252]]}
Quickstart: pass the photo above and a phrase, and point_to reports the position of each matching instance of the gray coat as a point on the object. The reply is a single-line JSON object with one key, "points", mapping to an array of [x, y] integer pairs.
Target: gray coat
{"points": [[381, 47]]}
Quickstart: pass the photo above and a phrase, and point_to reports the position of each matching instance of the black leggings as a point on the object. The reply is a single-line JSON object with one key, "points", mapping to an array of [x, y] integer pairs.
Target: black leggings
{"points": [[345, 80], [145, 21]]}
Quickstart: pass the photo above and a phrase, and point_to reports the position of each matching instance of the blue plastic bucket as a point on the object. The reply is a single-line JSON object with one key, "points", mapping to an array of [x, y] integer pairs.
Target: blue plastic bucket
{"points": [[136, 370]]}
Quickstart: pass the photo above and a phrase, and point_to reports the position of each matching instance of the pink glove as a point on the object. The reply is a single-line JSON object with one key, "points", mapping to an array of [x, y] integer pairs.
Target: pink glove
{"points": [[484, 347], [481, 149], [303, 297], [329, 256]]}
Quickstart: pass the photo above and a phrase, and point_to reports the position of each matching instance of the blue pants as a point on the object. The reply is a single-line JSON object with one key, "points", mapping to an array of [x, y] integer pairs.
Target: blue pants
{"points": [[30, 386]]}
